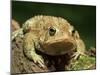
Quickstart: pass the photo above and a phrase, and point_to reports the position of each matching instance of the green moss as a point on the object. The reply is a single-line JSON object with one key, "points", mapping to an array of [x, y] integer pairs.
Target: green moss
{"points": [[83, 63]]}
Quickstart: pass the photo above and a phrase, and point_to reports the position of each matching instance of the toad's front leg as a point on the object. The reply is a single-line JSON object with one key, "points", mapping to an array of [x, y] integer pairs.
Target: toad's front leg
{"points": [[80, 50], [29, 49]]}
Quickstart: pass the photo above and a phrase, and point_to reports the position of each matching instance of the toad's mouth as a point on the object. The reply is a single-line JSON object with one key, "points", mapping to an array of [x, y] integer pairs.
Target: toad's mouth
{"points": [[58, 47]]}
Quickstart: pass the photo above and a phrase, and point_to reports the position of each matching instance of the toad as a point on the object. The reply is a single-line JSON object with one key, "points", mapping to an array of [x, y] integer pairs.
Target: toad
{"points": [[50, 35]]}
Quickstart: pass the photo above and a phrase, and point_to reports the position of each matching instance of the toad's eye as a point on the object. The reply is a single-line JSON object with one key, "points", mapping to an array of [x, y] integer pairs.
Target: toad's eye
{"points": [[73, 32], [52, 31]]}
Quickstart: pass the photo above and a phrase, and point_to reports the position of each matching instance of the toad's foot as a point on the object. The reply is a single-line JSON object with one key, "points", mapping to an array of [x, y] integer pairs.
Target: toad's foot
{"points": [[38, 60], [76, 55]]}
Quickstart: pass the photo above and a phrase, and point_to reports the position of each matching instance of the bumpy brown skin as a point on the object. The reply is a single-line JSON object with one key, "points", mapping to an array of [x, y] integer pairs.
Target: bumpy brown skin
{"points": [[50, 35], [14, 25], [16, 30]]}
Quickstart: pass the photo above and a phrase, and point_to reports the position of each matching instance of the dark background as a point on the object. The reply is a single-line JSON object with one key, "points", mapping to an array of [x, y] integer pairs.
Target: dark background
{"points": [[82, 17]]}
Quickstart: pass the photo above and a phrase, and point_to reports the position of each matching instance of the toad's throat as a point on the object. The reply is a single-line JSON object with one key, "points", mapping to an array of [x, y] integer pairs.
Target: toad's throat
{"points": [[59, 47]]}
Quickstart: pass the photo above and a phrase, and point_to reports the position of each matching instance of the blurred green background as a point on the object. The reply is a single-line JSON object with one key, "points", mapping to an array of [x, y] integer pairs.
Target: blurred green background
{"points": [[81, 16]]}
